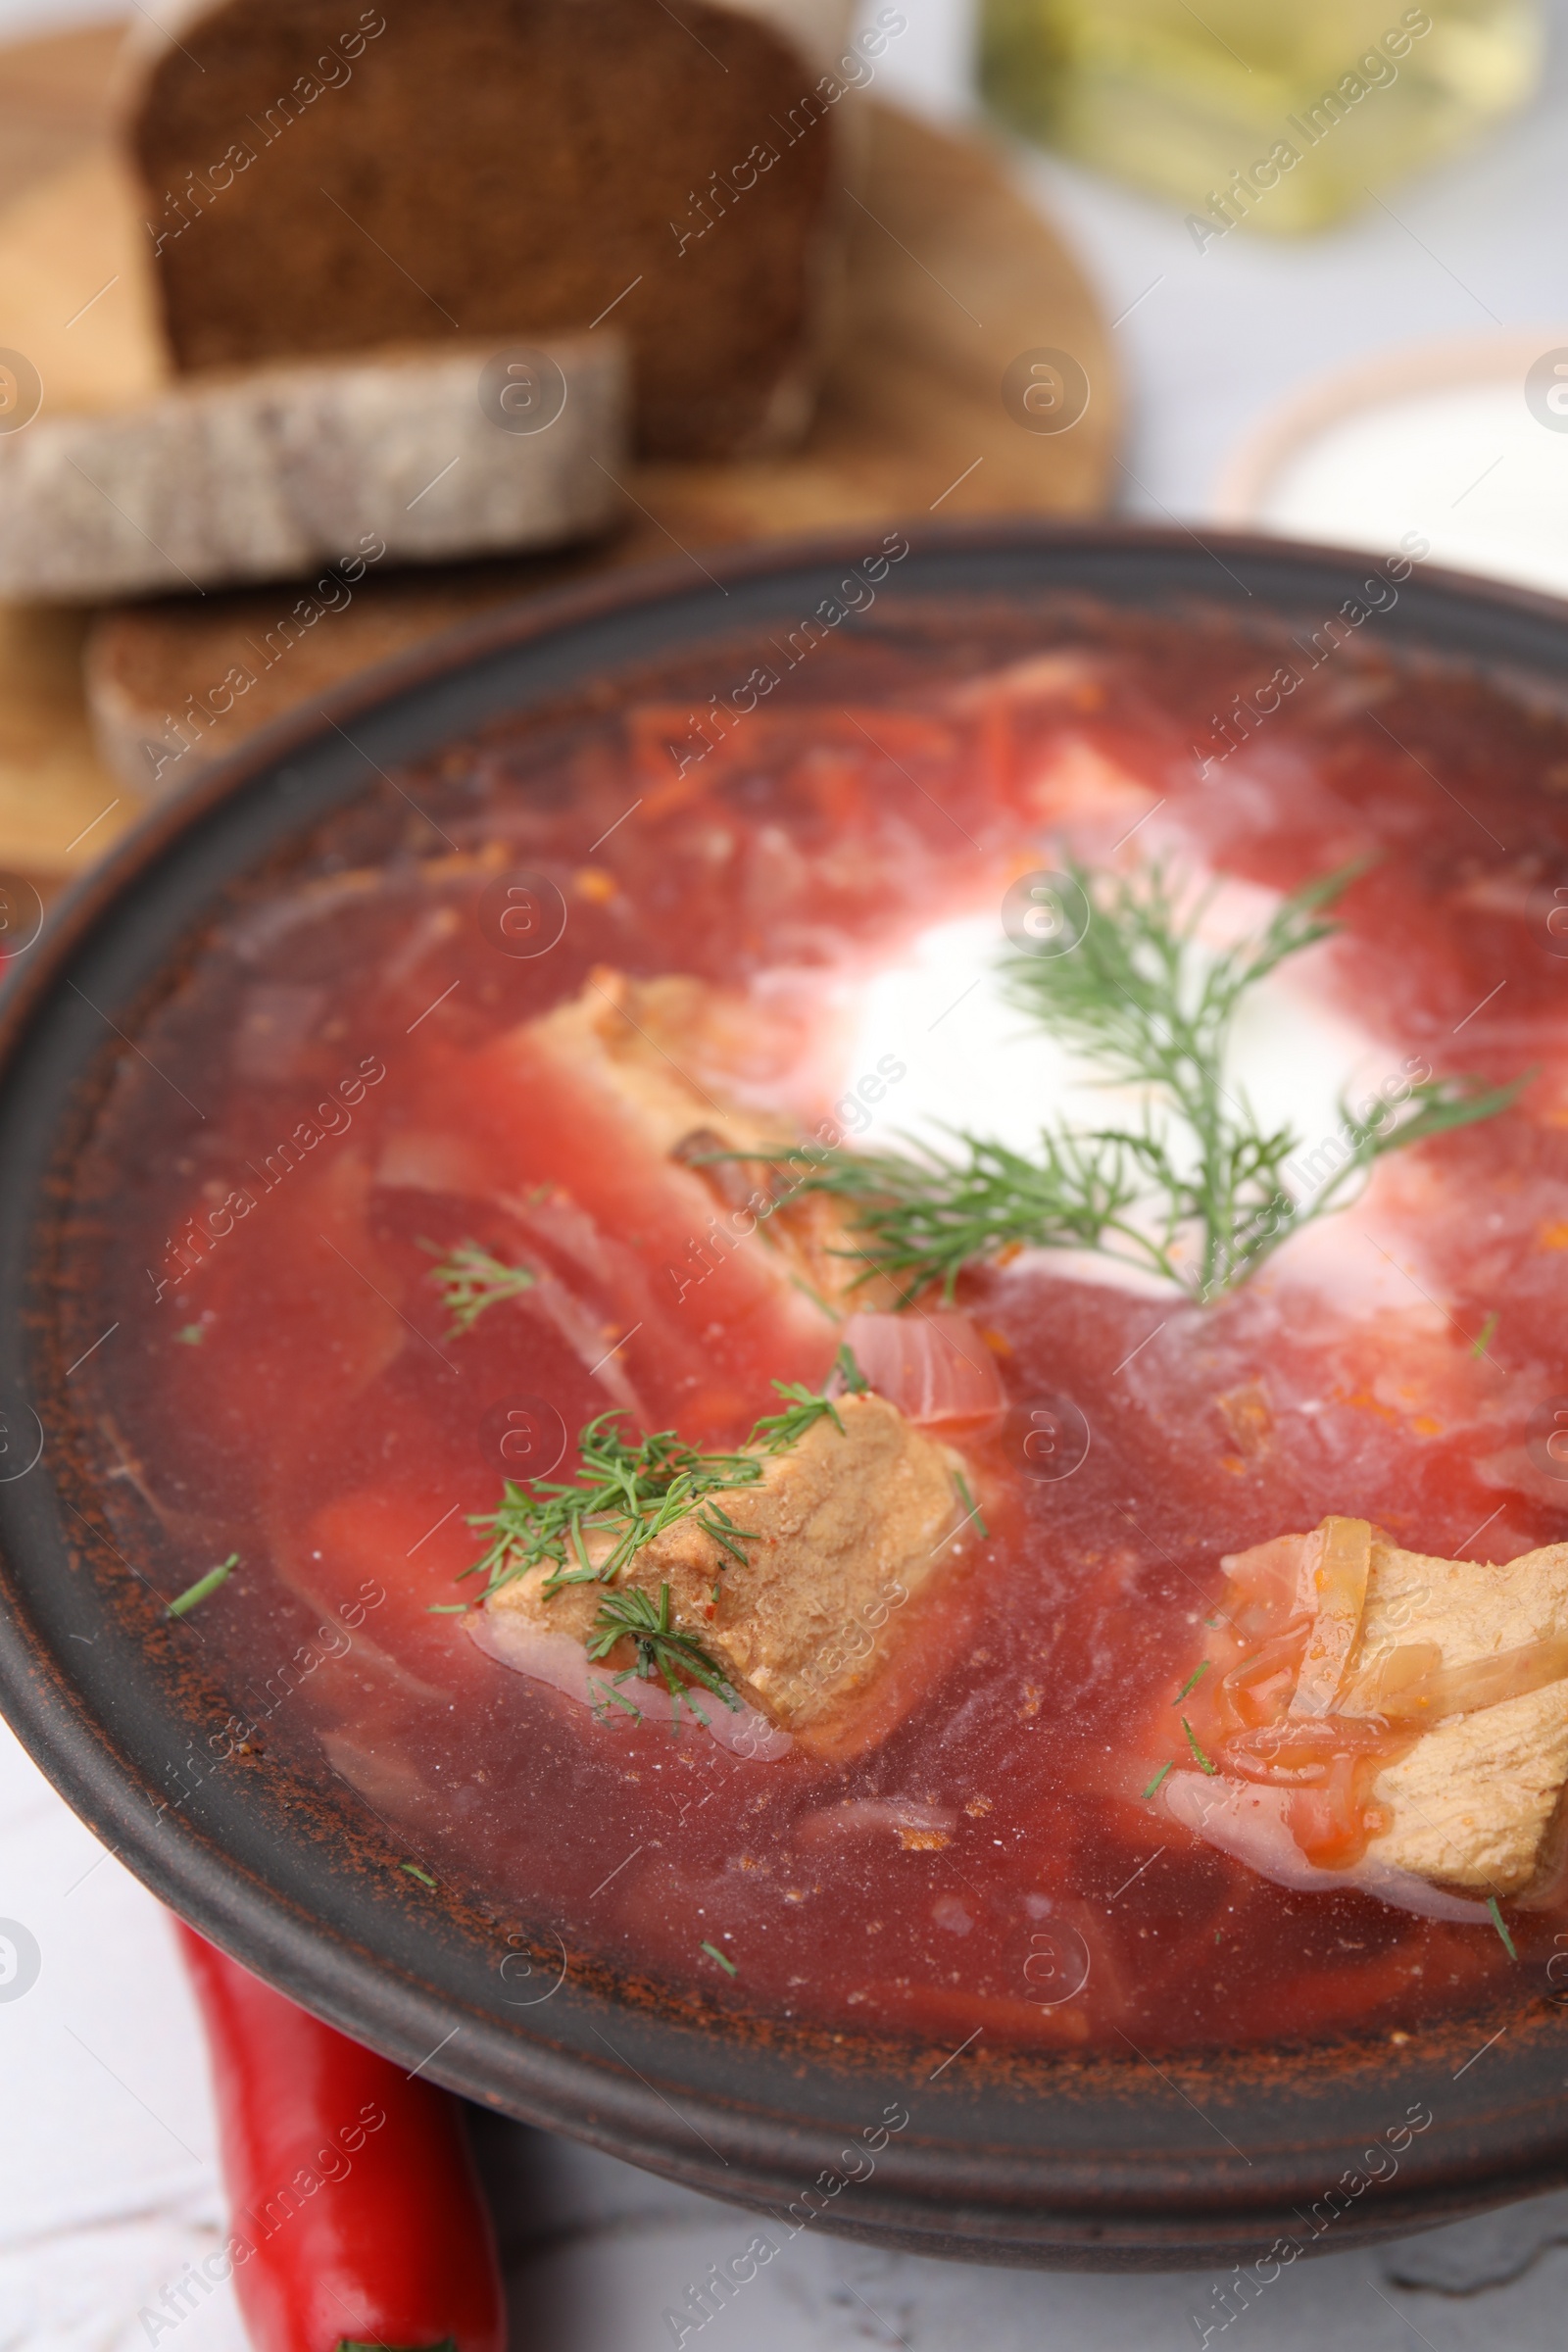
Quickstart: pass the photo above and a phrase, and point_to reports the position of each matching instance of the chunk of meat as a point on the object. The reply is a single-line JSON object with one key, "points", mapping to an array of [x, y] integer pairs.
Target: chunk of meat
{"points": [[699, 1312], [1469, 1610], [684, 1064], [1254, 1825], [1411, 1712], [1474, 1801], [1474, 1656], [841, 1531], [677, 1050]]}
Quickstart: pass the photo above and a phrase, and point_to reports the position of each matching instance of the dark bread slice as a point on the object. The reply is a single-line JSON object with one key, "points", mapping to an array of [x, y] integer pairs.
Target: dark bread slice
{"points": [[173, 685], [320, 181]]}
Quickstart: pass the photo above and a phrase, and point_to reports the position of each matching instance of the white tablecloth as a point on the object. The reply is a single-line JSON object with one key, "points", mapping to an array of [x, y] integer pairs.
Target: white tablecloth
{"points": [[107, 2182]]}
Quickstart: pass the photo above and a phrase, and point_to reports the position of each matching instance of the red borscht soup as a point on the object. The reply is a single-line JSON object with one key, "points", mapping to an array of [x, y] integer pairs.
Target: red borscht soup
{"points": [[1041, 1074]]}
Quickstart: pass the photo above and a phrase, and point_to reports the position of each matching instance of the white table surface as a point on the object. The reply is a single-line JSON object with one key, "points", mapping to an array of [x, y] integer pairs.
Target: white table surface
{"points": [[108, 2187]]}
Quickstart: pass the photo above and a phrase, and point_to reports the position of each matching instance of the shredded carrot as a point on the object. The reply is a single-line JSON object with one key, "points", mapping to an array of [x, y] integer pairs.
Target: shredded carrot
{"points": [[997, 751]]}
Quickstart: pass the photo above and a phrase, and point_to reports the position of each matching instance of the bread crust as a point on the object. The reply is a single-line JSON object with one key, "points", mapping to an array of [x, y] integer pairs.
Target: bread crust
{"points": [[270, 473]]}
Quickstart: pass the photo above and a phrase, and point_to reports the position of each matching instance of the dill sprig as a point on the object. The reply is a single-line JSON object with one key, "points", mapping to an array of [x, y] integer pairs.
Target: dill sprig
{"points": [[631, 1493], [634, 1493], [663, 1651], [971, 1509], [926, 1214], [726, 1534], [1195, 1191], [802, 1409], [471, 1279], [194, 1595]]}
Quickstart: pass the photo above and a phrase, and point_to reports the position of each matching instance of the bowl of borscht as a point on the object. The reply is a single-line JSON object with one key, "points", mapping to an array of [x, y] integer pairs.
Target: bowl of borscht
{"points": [[782, 1369]]}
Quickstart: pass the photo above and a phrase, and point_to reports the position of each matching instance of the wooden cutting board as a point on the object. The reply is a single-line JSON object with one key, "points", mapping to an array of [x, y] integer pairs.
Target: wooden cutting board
{"points": [[951, 277]]}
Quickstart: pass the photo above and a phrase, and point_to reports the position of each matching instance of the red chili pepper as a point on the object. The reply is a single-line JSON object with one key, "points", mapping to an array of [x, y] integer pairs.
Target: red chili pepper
{"points": [[356, 2217]]}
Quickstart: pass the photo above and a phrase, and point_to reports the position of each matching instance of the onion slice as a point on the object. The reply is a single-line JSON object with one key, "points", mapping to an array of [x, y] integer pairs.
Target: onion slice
{"points": [[1413, 1683], [914, 1825], [1249, 1824], [931, 1363], [1334, 1577]]}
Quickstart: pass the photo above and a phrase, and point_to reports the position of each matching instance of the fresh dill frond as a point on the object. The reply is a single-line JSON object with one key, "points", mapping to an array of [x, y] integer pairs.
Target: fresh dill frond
{"points": [[716, 1521], [628, 1493], [664, 1651], [191, 1334], [1197, 1190], [927, 1212], [634, 1493], [713, 1953], [1192, 1742], [1142, 999], [1191, 1682], [802, 1409], [414, 1871], [797, 1282], [470, 1279], [971, 1509], [1484, 1335], [1159, 1777], [849, 1371], [1501, 1926], [609, 1696], [1138, 997], [1436, 1106], [194, 1595]]}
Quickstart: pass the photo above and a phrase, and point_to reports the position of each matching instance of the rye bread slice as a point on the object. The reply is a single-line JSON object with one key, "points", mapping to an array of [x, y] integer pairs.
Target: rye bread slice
{"points": [[173, 685], [322, 178], [260, 474]]}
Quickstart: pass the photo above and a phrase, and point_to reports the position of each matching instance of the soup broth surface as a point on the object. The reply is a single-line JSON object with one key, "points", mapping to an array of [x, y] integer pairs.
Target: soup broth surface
{"points": [[319, 1103]]}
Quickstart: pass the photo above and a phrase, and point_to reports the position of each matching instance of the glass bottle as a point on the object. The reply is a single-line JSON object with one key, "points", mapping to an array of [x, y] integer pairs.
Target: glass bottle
{"points": [[1271, 112]]}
